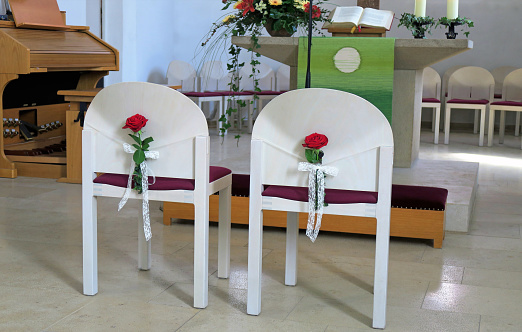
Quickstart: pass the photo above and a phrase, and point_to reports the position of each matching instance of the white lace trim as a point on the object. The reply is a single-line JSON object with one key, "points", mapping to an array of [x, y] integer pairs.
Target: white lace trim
{"points": [[145, 172], [317, 173]]}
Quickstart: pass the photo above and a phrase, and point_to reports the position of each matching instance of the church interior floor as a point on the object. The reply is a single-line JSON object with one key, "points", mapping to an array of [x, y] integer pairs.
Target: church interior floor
{"points": [[474, 283]]}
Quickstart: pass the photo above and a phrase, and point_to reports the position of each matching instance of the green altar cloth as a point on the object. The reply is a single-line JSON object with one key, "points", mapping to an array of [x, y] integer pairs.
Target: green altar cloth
{"points": [[362, 66]]}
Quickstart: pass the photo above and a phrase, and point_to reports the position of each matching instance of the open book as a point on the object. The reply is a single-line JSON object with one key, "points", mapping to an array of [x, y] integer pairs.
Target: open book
{"points": [[355, 16]]}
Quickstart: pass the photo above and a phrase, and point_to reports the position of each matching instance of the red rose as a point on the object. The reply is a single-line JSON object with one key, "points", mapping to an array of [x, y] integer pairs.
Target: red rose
{"points": [[135, 122], [316, 11], [315, 141]]}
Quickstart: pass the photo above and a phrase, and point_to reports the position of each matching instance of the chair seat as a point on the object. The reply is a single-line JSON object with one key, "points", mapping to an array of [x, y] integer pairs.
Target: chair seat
{"points": [[267, 93], [469, 101], [507, 103], [203, 94], [236, 93], [417, 197], [332, 196], [430, 100], [120, 180]]}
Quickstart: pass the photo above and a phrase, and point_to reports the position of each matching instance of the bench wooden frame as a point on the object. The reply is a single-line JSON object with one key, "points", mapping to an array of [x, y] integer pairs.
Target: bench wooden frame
{"points": [[410, 223]]}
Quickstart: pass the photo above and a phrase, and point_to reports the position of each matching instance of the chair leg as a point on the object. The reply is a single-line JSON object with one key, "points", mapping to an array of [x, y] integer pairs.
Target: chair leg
{"points": [[292, 234], [517, 124], [90, 245], [476, 122], [482, 122], [436, 112], [224, 232], [255, 260], [502, 126], [447, 118], [144, 249], [201, 252], [380, 287], [491, 126]]}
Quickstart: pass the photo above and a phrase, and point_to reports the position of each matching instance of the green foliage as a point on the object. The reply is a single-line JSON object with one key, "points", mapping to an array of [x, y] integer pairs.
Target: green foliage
{"points": [[465, 22], [417, 25]]}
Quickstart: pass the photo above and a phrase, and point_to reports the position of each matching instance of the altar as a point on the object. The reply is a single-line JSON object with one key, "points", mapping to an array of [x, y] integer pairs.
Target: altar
{"points": [[411, 56]]}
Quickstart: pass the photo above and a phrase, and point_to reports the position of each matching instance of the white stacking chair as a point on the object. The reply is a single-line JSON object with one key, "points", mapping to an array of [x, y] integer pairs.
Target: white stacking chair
{"points": [[182, 172], [283, 78], [431, 86], [182, 73], [360, 145], [499, 74], [511, 101], [469, 88]]}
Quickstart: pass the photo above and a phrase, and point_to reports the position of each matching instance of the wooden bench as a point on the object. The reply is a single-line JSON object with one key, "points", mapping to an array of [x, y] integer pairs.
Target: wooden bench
{"points": [[417, 212]]}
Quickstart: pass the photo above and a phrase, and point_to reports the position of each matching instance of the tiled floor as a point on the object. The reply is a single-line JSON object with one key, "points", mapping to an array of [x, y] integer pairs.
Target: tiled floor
{"points": [[473, 284]]}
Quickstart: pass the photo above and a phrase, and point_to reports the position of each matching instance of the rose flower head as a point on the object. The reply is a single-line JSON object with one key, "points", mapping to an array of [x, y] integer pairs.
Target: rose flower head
{"points": [[315, 141], [135, 122]]}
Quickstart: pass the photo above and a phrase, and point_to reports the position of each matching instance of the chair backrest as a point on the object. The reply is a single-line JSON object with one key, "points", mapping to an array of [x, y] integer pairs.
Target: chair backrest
{"points": [[265, 77], [445, 79], [355, 128], [209, 75], [283, 78], [173, 121], [182, 73], [499, 74], [471, 83], [430, 83], [512, 86]]}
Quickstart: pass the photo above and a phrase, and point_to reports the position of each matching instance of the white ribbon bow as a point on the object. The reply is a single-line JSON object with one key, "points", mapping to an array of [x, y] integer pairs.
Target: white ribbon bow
{"points": [[145, 172], [317, 172]]}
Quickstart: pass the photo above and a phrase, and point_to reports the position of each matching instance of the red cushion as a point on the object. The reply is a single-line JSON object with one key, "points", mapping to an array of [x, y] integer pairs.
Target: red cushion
{"points": [[469, 101], [267, 93], [120, 180], [238, 93], [332, 196], [507, 103], [418, 197], [497, 95], [430, 100], [202, 94]]}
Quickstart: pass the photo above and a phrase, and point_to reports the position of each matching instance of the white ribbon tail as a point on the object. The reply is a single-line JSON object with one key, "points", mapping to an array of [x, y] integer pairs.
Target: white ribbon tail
{"points": [[145, 172], [316, 176]]}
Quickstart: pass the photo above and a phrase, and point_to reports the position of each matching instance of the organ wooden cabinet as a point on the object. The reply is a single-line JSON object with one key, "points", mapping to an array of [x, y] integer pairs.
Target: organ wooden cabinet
{"points": [[34, 65]]}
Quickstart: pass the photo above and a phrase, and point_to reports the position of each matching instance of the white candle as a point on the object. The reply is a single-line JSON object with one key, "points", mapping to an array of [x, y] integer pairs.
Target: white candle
{"points": [[420, 8], [453, 9]]}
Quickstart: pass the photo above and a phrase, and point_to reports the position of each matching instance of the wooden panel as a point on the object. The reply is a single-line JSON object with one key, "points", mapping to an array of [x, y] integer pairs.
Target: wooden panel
{"points": [[14, 56], [50, 171], [419, 224], [36, 12], [55, 158], [67, 41], [72, 61]]}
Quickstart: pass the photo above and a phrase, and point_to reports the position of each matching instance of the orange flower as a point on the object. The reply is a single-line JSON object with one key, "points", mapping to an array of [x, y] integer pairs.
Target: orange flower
{"points": [[275, 2], [245, 5]]}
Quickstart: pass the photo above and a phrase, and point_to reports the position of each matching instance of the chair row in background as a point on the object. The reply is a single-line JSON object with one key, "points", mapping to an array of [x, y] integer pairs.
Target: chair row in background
{"points": [[212, 85], [469, 87]]}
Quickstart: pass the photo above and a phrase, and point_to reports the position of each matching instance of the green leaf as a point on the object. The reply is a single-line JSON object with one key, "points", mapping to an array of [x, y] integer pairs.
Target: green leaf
{"points": [[139, 156], [148, 140], [135, 138], [136, 146], [310, 156]]}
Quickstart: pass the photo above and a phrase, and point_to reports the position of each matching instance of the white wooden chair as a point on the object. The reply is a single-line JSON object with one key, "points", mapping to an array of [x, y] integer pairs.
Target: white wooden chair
{"points": [[431, 85], [511, 101], [182, 171], [182, 73], [283, 78], [469, 88], [361, 147], [499, 74]]}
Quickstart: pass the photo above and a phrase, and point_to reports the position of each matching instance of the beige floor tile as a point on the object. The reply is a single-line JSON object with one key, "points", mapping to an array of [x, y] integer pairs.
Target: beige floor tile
{"points": [[482, 242], [495, 229], [492, 278], [496, 324], [473, 299], [116, 314]]}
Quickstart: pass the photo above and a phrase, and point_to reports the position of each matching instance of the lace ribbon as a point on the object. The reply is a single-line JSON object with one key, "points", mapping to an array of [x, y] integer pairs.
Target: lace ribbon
{"points": [[145, 172], [315, 177]]}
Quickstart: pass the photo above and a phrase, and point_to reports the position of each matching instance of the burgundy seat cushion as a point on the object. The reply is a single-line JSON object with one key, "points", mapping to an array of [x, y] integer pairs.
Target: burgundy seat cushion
{"points": [[468, 101], [120, 180], [267, 93], [202, 94], [430, 100], [497, 95], [507, 103], [403, 196], [234, 93]]}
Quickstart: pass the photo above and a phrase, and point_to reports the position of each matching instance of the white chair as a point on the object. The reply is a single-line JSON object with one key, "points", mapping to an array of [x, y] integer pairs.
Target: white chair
{"points": [[182, 73], [511, 101], [182, 172], [283, 78], [499, 74], [430, 98], [360, 145], [469, 88]]}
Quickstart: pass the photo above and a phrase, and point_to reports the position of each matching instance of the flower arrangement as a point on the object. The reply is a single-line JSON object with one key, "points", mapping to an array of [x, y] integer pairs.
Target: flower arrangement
{"points": [[451, 23], [418, 25], [136, 123], [248, 17]]}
